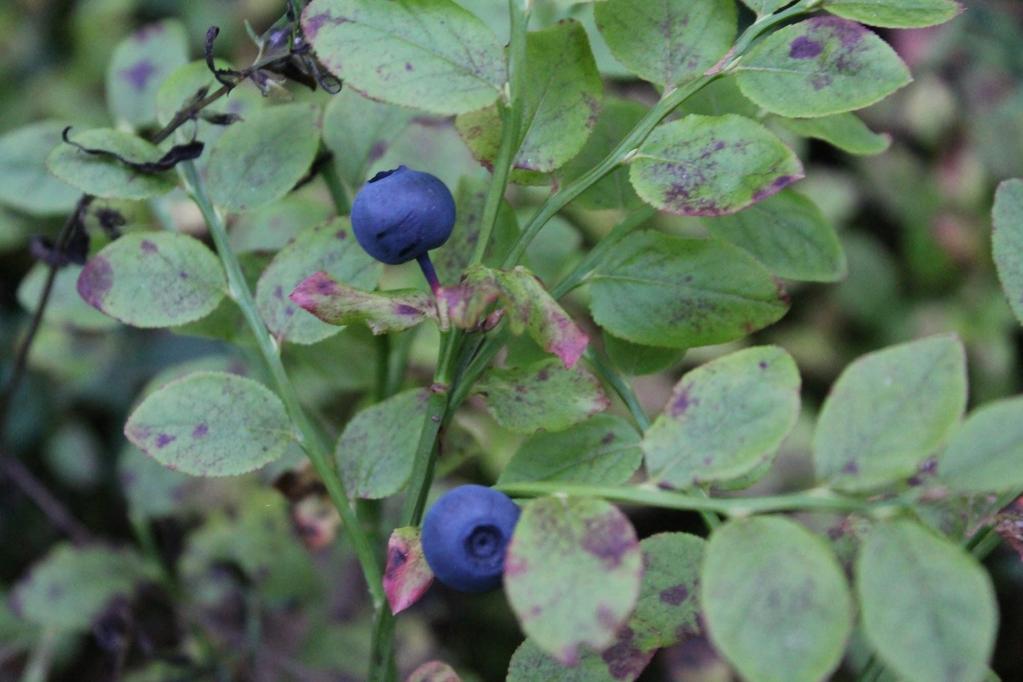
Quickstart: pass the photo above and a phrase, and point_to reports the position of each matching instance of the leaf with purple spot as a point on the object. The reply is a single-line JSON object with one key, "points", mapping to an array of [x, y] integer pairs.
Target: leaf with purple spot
{"points": [[65, 307], [211, 424], [711, 165], [383, 312], [139, 65], [407, 576], [329, 248], [153, 279], [572, 574], [821, 66], [543, 395], [668, 291]]}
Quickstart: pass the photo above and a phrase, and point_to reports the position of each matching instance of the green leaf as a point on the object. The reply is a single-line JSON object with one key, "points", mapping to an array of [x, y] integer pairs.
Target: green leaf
{"points": [[666, 611], [845, 131], [383, 312], [330, 248], [151, 489], [662, 290], [888, 411], [428, 54], [71, 586], [764, 7], [359, 131], [901, 14], [470, 197], [258, 161], [543, 395], [375, 452], [775, 600], [572, 574], [928, 607], [711, 165], [617, 118], [140, 63], [1007, 241], [724, 418], [25, 182], [986, 453], [603, 450], [637, 360], [669, 41], [272, 227], [211, 424], [153, 279], [65, 306], [407, 576], [789, 235], [104, 177], [560, 102], [821, 66]]}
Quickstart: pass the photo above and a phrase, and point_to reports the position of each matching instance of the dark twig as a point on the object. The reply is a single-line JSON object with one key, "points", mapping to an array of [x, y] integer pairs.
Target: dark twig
{"points": [[33, 488], [175, 155]]}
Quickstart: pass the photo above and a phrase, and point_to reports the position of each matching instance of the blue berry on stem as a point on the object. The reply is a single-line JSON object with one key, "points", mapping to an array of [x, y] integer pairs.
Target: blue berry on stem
{"points": [[465, 535], [400, 215]]}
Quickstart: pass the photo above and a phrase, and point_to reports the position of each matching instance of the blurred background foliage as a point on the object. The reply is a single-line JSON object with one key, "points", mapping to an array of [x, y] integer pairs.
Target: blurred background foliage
{"points": [[249, 596]]}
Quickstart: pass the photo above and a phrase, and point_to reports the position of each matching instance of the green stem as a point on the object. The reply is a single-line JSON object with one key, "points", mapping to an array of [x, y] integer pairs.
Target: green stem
{"points": [[307, 435], [338, 193], [41, 658], [620, 385], [815, 499]]}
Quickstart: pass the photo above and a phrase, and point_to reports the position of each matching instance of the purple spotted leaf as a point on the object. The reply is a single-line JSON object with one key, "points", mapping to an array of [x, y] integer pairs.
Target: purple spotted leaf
{"points": [[433, 671], [667, 291], [543, 395], [153, 279], [821, 66], [530, 308], [467, 305], [711, 165], [139, 65], [428, 54], [572, 574], [211, 424], [329, 249], [666, 613], [383, 312], [407, 576]]}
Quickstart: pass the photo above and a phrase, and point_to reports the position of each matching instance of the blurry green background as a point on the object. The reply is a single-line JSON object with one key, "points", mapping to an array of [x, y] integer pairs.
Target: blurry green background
{"points": [[915, 223]]}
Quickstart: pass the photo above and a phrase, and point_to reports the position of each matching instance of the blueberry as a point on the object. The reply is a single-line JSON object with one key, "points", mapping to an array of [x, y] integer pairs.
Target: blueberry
{"points": [[465, 535], [401, 214]]}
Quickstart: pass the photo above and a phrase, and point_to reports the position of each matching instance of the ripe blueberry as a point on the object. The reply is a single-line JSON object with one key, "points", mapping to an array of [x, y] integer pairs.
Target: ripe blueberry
{"points": [[400, 214], [465, 535]]}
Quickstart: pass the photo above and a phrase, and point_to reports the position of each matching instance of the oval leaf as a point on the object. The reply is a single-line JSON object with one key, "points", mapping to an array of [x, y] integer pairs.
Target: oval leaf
{"points": [[544, 395], [25, 182], [153, 279], [724, 418], [928, 607], [272, 227], [330, 248], [428, 54], [711, 165], [845, 131], [776, 601], [258, 161], [1007, 241], [603, 450], [821, 66], [789, 235], [888, 411], [375, 452], [902, 14], [139, 64], [662, 290], [572, 574], [560, 102], [106, 177], [986, 453], [359, 131], [529, 307], [211, 424], [669, 41], [383, 312], [407, 576]]}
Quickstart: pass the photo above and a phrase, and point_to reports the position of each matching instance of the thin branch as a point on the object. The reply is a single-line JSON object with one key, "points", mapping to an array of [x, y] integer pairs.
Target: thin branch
{"points": [[47, 502]]}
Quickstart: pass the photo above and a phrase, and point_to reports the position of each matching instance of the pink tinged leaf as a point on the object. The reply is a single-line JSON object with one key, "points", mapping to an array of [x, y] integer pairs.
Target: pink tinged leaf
{"points": [[433, 671], [407, 575], [339, 304]]}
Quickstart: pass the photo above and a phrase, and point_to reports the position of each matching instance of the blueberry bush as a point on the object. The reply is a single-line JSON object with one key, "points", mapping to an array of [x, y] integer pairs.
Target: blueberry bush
{"points": [[677, 369]]}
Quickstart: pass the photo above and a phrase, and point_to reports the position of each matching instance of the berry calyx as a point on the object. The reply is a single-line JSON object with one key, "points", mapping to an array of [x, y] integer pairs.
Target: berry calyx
{"points": [[465, 536]]}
